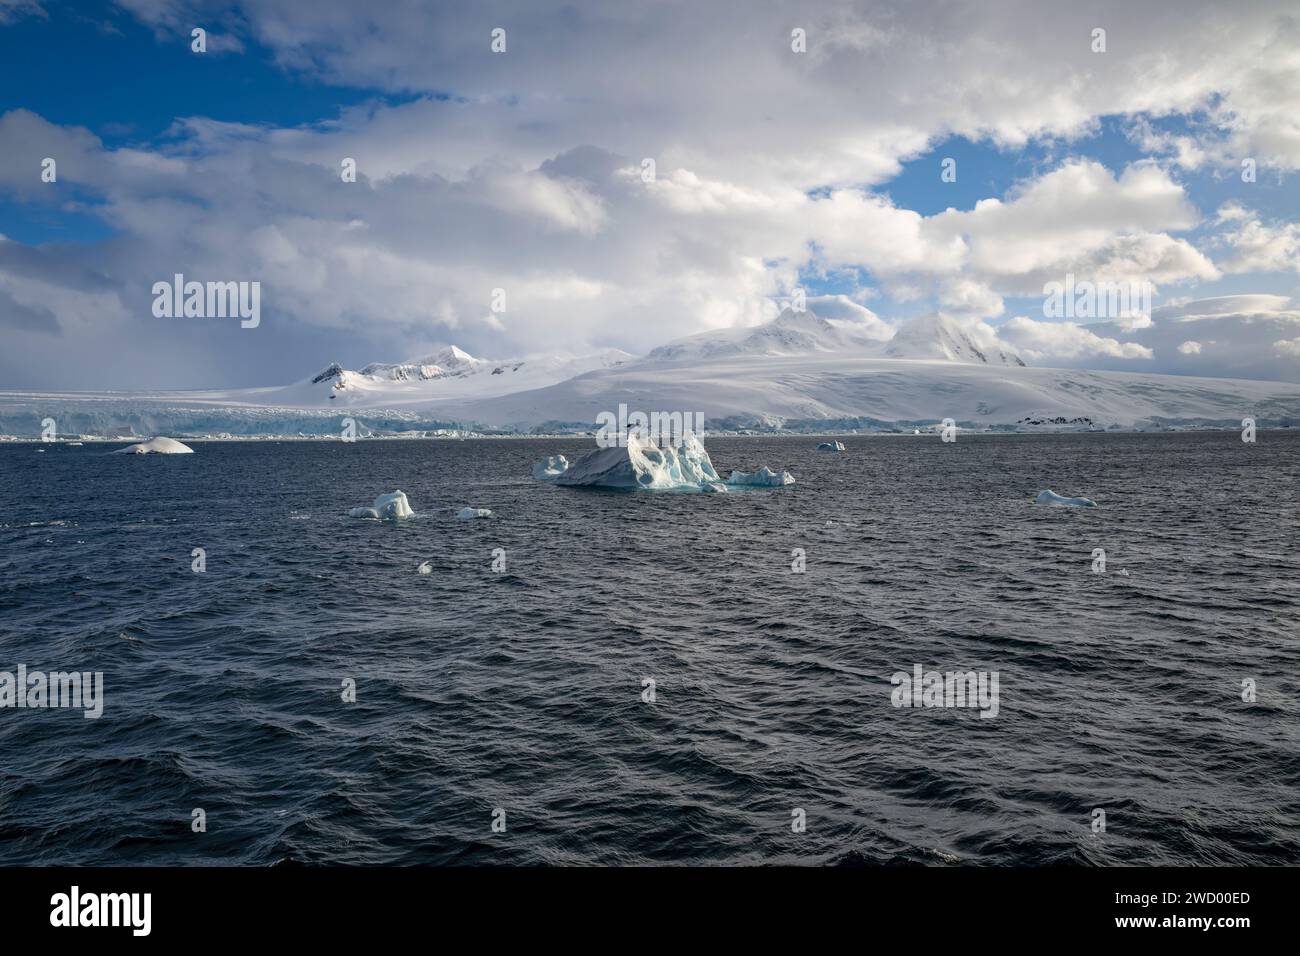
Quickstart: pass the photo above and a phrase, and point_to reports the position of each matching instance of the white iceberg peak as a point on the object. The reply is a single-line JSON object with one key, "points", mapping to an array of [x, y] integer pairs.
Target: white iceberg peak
{"points": [[392, 505]]}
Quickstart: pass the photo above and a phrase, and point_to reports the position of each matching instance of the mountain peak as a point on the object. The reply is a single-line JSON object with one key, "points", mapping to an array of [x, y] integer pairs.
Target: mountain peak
{"points": [[939, 336]]}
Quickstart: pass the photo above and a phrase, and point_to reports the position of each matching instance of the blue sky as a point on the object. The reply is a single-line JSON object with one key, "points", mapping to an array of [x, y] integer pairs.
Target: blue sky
{"points": [[517, 171]]}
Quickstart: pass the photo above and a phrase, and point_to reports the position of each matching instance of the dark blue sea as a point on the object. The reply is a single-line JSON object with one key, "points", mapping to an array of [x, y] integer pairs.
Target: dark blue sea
{"points": [[521, 690]]}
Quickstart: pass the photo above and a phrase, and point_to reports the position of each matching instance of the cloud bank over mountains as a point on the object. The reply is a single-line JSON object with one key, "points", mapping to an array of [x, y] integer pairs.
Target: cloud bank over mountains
{"points": [[524, 171]]}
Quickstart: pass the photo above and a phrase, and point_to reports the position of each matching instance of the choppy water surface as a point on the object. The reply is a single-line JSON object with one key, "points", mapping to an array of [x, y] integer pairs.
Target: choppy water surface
{"points": [[522, 690]]}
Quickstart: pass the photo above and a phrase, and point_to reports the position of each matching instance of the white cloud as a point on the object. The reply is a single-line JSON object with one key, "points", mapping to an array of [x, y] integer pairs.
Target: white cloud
{"points": [[1255, 246], [522, 171], [1046, 342]]}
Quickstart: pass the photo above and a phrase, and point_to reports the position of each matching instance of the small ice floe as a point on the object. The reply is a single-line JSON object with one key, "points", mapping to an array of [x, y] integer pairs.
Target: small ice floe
{"points": [[831, 446], [426, 567], [73, 444], [763, 478], [41, 450], [468, 514], [392, 505], [156, 446], [550, 468], [1052, 498], [637, 463]]}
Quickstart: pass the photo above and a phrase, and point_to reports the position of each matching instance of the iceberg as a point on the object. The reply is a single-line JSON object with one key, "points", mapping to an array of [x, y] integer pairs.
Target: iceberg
{"points": [[550, 468], [467, 514], [640, 464], [763, 478], [425, 567], [156, 446], [1052, 498], [391, 505], [830, 446]]}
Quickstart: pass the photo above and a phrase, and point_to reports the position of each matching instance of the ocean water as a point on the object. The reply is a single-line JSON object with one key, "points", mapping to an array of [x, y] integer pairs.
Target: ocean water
{"points": [[522, 690]]}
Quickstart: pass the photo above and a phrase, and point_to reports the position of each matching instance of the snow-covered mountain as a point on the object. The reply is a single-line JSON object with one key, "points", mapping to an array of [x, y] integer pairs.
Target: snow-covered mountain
{"points": [[449, 373], [941, 337], [790, 333], [809, 392], [927, 337], [797, 372]]}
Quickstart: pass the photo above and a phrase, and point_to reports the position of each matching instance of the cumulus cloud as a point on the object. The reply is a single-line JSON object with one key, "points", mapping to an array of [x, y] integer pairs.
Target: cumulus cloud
{"points": [[1256, 246], [523, 172], [1048, 342]]}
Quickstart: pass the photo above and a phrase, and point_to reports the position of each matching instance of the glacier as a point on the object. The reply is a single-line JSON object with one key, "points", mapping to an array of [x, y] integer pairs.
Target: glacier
{"points": [[392, 505], [639, 464], [1050, 497]]}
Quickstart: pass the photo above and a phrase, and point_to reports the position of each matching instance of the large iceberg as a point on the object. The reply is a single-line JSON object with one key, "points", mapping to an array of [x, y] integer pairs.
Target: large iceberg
{"points": [[640, 464], [157, 446], [1052, 498], [391, 505]]}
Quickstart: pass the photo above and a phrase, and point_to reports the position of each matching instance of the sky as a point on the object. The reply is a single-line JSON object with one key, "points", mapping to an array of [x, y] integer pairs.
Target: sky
{"points": [[775, 169]]}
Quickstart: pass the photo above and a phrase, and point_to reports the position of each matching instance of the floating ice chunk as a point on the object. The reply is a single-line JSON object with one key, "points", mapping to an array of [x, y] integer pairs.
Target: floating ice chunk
{"points": [[467, 514], [426, 567], [641, 464], [391, 505], [1052, 498], [830, 446], [550, 468], [763, 478], [156, 446]]}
